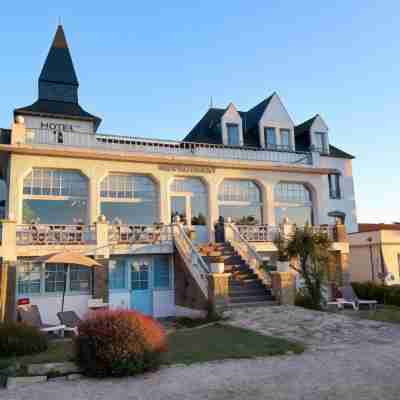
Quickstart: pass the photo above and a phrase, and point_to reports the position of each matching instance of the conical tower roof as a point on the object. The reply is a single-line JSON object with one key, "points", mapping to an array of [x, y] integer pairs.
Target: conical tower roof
{"points": [[58, 67]]}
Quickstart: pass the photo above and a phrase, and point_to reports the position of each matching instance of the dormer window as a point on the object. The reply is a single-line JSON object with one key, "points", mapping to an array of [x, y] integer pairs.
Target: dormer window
{"points": [[233, 134], [321, 142], [270, 138], [285, 139]]}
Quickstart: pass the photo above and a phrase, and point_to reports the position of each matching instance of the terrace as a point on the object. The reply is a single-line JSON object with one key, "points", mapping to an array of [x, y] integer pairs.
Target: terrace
{"points": [[101, 142]]}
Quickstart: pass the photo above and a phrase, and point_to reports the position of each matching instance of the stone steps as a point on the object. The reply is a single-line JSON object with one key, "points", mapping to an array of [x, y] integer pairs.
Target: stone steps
{"points": [[245, 288]]}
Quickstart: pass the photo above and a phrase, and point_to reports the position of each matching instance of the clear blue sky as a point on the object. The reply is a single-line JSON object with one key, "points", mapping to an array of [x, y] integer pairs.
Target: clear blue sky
{"points": [[149, 68]]}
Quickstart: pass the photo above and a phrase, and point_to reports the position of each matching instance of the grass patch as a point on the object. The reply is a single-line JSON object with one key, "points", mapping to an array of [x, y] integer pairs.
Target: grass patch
{"points": [[216, 342], [58, 351], [385, 314], [220, 342]]}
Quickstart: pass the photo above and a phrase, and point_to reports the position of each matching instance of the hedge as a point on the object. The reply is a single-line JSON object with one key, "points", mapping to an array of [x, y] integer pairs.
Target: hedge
{"points": [[389, 295]]}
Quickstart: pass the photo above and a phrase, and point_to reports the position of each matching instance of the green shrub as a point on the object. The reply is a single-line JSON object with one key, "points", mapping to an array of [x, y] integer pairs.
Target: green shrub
{"points": [[389, 295], [305, 301], [119, 343], [17, 339]]}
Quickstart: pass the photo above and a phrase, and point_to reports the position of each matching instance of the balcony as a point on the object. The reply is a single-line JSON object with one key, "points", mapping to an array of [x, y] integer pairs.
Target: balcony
{"points": [[44, 137], [101, 238], [45, 235], [268, 233]]}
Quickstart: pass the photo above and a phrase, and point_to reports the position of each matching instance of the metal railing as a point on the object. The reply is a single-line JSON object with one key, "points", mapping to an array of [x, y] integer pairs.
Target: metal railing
{"points": [[258, 233], [129, 234], [42, 234], [192, 258], [164, 147]]}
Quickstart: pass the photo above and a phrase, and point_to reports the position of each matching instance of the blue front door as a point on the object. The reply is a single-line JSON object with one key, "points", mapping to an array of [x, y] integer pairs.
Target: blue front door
{"points": [[141, 284]]}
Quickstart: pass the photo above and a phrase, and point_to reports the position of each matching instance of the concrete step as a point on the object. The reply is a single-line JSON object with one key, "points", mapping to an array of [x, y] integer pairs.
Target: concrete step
{"points": [[253, 304], [251, 299], [251, 282], [243, 292], [242, 276]]}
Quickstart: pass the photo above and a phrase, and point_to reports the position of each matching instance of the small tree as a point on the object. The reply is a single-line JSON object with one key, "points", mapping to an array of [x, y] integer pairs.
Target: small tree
{"points": [[311, 249]]}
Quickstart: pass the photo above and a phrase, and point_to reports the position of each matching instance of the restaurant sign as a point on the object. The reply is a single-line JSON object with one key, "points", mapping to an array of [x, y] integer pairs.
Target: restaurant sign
{"points": [[190, 169]]}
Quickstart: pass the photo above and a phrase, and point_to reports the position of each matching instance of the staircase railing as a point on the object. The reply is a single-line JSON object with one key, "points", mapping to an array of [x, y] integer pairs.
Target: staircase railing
{"points": [[247, 252], [193, 260]]}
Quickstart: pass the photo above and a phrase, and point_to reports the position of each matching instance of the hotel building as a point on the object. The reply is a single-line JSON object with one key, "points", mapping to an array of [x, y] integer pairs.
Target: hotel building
{"points": [[144, 208]]}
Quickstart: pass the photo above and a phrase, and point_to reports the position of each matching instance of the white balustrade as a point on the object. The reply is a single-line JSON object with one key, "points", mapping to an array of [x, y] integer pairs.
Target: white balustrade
{"points": [[192, 258], [121, 233], [164, 147], [247, 252], [43, 234], [258, 233]]}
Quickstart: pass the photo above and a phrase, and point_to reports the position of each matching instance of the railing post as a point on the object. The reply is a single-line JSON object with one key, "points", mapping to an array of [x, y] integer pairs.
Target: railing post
{"points": [[341, 233], [286, 228], [18, 132], [102, 242], [228, 230]]}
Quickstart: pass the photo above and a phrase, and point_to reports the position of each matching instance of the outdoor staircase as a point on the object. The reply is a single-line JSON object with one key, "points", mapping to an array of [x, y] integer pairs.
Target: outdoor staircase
{"points": [[245, 288]]}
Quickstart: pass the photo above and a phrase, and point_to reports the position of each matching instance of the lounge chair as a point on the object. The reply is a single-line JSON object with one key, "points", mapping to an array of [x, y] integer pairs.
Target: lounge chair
{"points": [[70, 319], [30, 315], [350, 297]]}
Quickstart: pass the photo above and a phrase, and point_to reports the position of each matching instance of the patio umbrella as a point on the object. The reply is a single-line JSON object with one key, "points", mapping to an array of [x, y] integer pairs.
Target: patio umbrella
{"points": [[69, 257]]}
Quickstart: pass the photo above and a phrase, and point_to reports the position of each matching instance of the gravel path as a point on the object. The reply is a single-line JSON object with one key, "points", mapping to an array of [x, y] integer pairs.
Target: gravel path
{"points": [[364, 367]]}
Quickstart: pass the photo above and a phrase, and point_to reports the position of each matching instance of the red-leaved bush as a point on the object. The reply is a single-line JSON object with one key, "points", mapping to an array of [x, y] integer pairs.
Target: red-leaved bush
{"points": [[119, 343]]}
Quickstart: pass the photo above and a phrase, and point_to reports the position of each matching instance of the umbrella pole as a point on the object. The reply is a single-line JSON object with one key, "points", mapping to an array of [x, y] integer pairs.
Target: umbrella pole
{"points": [[64, 289]]}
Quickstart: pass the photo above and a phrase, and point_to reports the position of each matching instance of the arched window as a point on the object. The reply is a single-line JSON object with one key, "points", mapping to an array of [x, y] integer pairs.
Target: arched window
{"points": [[52, 196], [294, 202], [189, 200], [241, 200], [129, 199]]}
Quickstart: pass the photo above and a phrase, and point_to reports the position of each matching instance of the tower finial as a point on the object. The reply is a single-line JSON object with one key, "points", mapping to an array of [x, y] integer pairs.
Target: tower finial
{"points": [[211, 102], [59, 20]]}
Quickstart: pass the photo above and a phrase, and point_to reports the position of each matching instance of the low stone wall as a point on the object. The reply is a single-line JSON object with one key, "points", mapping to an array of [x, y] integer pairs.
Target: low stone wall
{"points": [[187, 292]]}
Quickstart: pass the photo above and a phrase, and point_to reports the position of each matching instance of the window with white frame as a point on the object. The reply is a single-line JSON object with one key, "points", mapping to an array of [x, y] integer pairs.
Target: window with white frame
{"points": [[79, 278], [293, 201], [334, 186], [270, 138], [241, 200], [52, 196], [285, 139], [130, 199], [41, 279], [117, 274], [28, 278], [233, 134]]}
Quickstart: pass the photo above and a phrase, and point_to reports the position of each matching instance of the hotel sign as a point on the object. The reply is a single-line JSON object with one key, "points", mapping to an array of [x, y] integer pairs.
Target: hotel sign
{"points": [[186, 169], [58, 127]]}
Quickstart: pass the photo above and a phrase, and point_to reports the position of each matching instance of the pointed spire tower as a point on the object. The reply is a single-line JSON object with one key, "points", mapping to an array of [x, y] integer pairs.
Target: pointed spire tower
{"points": [[58, 79], [58, 86]]}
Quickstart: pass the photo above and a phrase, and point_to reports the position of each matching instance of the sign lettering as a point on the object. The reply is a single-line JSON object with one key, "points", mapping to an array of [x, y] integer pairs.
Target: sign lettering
{"points": [[57, 127], [186, 169]]}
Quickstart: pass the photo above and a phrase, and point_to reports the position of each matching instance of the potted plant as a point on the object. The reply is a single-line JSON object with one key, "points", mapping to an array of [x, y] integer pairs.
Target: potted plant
{"points": [[282, 263]]}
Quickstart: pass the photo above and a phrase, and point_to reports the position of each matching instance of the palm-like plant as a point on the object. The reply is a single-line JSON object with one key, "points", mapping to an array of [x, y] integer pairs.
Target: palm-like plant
{"points": [[311, 249]]}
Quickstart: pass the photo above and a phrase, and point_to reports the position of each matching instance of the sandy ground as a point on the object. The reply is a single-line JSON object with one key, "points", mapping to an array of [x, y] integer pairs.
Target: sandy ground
{"points": [[363, 367]]}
